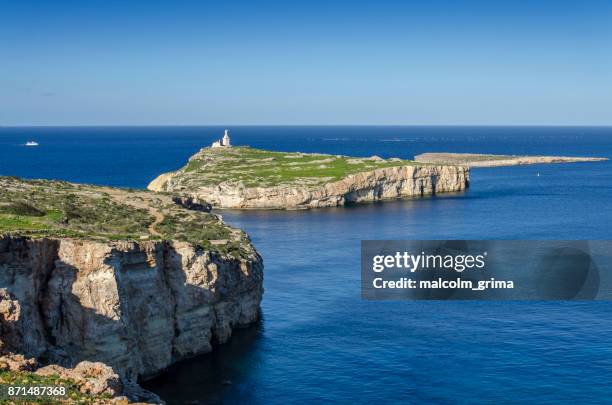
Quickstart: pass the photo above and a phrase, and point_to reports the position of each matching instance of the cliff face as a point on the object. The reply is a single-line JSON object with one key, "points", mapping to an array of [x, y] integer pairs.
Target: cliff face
{"points": [[373, 185], [136, 306]]}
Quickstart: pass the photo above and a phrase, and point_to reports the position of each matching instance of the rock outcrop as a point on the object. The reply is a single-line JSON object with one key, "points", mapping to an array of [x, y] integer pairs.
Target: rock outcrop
{"points": [[92, 378], [193, 204], [135, 306], [87, 382], [374, 185], [16, 362]]}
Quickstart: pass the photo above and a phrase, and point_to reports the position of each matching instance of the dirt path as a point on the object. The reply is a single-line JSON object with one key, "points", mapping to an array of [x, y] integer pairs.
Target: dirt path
{"points": [[138, 200]]}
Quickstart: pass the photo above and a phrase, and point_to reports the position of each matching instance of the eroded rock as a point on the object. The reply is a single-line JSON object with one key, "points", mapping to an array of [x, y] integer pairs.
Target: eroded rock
{"points": [[135, 306], [374, 185], [94, 378], [16, 362]]}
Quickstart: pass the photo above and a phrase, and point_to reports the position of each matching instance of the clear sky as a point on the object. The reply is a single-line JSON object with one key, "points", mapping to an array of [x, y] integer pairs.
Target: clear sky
{"points": [[310, 62]]}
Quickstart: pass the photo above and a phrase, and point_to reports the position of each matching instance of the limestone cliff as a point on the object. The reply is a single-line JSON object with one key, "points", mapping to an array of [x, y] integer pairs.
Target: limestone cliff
{"points": [[247, 178], [128, 278], [136, 306]]}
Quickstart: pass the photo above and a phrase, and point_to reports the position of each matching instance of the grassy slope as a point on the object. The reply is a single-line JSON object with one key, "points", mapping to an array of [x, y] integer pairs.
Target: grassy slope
{"points": [[61, 209], [261, 168], [38, 207]]}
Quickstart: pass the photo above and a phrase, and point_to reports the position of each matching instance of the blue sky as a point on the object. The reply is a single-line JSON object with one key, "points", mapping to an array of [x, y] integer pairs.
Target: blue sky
{"points": [[283, 62]]}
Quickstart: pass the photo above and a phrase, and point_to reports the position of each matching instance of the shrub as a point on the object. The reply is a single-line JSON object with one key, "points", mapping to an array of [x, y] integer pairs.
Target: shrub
{"points": [[21, 208]]}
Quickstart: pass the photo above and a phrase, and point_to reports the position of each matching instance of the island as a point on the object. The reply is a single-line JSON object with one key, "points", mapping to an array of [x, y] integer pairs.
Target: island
{"points": [[100, 287], [487, 160], [248, 178]]}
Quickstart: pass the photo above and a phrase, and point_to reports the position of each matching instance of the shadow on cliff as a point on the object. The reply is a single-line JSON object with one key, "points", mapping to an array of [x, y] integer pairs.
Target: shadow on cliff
{"points": [[204, 379], [127, 320]]}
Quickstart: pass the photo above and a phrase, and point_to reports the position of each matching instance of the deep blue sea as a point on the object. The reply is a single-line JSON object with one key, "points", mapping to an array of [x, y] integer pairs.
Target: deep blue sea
{"points": [[317, 340]]}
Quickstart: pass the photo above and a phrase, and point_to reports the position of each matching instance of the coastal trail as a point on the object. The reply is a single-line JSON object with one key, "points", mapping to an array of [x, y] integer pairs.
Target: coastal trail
{"points": [[139, 200]]}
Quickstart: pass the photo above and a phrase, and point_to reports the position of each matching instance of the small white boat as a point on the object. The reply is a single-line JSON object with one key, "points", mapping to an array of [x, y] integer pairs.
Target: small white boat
{"points": [[31, 143]]}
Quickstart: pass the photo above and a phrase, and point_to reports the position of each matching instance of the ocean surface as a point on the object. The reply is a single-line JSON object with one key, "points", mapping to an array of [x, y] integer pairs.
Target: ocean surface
{"points": [[317, 340]]}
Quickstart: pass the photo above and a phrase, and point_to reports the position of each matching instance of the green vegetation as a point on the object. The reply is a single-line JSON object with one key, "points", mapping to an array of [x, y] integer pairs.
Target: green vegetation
{"points": [[41, 208], [68, 209], [73, 394], [261, 168], [194, 230], [21, 208]]}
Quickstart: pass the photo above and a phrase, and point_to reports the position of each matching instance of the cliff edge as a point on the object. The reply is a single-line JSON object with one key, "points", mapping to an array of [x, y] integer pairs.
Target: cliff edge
{"points": [[127, 278], [242, 177]]}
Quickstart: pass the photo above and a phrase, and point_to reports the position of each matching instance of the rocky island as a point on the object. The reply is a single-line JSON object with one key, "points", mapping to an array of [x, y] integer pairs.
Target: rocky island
{"points": [[244, 177], [105, 286], [486, 160]]}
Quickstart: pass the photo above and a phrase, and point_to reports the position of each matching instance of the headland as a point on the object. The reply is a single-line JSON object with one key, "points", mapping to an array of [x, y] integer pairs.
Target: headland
{"points": [[121, 283], [248, 178]]}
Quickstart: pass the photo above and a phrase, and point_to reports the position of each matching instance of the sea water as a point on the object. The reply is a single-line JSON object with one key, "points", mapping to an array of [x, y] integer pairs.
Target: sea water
{"points": [[317, 340]]}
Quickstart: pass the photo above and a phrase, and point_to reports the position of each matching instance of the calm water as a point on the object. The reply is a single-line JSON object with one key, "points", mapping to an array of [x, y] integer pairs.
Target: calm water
{"points": [[317, 340]]}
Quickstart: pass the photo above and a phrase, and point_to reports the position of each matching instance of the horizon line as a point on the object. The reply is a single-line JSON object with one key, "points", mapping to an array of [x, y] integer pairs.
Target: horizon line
{"points": [[298, 125]]}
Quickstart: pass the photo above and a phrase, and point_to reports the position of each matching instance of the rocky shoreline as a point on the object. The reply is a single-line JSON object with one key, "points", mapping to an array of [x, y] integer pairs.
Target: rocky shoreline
{"points": [[484, 160], [379, 180], [377, 185]]}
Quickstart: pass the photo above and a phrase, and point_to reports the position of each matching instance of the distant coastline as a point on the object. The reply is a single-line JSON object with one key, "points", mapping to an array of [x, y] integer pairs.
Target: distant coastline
{"points": [[486, 160]]}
